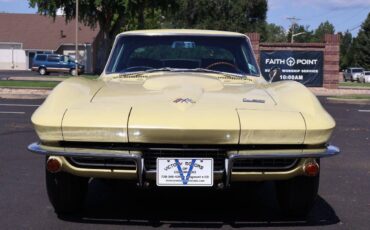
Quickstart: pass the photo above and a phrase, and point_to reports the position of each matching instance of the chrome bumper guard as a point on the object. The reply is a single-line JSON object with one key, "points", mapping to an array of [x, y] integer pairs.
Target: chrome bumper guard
{"points": [[136, 156]]}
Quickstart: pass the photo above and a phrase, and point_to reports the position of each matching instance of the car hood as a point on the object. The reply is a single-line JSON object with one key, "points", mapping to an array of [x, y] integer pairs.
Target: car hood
{"points": [[190, 108]]}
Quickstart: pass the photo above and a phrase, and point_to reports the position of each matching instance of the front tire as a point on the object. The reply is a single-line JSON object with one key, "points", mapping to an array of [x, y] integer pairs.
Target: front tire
{"points": [[66, 192], [42, 71], [73, 72], [297, 196]]}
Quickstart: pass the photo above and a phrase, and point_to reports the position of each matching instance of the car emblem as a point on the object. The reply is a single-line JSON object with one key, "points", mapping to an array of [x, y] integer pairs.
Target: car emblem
{"points": [[184, 100], [253, 100]]}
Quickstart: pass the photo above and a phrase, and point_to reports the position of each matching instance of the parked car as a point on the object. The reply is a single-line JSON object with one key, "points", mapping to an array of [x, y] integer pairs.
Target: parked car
{"points": [[183, 108], [353, 74], [48, 63], [365, 78]]}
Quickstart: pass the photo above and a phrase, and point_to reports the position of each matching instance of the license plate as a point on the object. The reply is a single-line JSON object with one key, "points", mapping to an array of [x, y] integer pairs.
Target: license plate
{"points": [[185, 172]]}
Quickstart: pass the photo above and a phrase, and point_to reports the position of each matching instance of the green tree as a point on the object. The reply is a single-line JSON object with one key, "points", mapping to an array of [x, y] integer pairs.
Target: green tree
{"points": [[324, 28], [362, 45], [306, 35], [112, 16], [346, 50], [238, 15], [274, 33]]}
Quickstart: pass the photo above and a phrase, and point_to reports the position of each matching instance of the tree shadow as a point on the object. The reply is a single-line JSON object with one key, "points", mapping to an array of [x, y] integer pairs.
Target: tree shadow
{"points": [[251, 205]]}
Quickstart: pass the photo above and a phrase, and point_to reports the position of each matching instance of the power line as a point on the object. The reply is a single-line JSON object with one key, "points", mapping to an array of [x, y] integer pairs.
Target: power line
{"points": [[352, 16], [293, 21], [355, 27]]}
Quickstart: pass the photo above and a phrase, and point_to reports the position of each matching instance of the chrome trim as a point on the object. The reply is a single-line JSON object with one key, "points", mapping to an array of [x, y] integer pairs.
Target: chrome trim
{"points": [[154, 33], [74, 152], [329, 151], [136, 156]]}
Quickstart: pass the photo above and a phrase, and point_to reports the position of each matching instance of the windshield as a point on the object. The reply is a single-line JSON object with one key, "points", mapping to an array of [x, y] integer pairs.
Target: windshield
{"points": [[143, 53], [357, 70]]}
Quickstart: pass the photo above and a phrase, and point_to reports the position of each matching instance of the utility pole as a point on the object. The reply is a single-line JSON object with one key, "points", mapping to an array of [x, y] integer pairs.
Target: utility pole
{"points": [[294, 22], [76, 56]]}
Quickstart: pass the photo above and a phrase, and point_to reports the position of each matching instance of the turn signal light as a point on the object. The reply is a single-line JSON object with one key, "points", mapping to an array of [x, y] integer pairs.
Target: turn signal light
{"points": [[53, 165], [311, 169]]}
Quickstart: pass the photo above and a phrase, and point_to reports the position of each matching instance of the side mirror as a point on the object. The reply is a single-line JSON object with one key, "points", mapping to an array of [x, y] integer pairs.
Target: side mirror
{"points": [[274, 72]]}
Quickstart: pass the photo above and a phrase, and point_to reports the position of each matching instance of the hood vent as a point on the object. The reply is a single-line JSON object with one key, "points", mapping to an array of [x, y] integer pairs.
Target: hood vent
{"points": [[132, 76]]}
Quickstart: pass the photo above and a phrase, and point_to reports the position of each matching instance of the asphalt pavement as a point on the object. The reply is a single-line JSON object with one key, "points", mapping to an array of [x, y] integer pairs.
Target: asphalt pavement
{"points": [[343, 202]]}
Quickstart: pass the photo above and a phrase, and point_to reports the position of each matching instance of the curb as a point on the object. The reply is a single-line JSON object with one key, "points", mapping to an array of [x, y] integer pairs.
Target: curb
{"points": [[24, 93], [354, 88], [337, 92]]}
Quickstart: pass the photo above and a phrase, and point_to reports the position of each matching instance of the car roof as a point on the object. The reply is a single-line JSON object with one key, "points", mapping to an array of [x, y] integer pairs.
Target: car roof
{"points": [[164, 32]]}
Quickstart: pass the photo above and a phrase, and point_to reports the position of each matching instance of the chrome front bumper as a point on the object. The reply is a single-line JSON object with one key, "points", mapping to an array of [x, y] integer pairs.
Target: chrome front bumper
{"points": [[137, 157]]}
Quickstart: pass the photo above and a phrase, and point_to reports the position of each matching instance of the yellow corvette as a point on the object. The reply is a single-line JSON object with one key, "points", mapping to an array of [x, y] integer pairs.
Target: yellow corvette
{"points": [[185, 108]]}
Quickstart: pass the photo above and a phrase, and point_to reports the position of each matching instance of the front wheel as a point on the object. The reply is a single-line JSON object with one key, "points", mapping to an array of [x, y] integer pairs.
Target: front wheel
{"points": [[297, 196], [73, 72], [66, 192], [42, 71]]}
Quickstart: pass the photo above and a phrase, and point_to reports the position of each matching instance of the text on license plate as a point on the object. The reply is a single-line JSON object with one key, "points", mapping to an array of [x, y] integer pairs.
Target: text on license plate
{"points": [[185, 172]]}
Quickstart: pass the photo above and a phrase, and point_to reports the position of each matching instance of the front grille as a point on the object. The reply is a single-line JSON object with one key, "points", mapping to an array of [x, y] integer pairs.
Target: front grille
{"points": [[150, 157], [244, 165], [102, 163]]}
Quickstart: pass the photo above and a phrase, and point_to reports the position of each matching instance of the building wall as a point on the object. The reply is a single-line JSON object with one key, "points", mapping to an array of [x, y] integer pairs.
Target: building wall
{"points": [[13, 59], [330, 47]]}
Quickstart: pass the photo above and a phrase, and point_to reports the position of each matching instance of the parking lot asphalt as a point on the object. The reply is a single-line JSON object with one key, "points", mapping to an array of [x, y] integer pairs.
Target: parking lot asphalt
{"points": [[343, 202]]}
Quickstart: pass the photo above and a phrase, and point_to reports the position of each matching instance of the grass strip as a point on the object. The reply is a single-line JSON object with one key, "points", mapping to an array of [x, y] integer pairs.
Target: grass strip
{"points": [[28, 84], [353, 96], [354, 84], [38, 84]]}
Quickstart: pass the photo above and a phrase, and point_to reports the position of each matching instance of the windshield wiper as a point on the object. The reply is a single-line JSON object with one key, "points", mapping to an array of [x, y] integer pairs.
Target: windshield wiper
{"points": [[169, 69], [239, 75], [141, 72], [150, 71]]}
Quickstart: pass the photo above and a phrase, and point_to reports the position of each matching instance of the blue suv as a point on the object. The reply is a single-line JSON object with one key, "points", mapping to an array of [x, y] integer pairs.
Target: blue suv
{"points": [[48, 63]]}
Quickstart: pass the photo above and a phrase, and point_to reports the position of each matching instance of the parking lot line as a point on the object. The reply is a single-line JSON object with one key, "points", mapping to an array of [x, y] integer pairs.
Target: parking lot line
{"points": [[364, 110], [5, 112], [25, 105]]}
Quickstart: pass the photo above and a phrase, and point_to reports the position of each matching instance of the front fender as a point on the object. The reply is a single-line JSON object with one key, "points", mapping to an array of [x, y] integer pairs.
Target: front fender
{"points": [[48, 117]]}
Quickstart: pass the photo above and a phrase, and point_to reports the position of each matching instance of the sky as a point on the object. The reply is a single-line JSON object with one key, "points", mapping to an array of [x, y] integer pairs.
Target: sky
{"points": [[343, 14]]}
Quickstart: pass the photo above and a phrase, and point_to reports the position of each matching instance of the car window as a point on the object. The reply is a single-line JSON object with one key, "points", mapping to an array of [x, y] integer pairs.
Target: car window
{"points": [[53, 58], [64, 58], [367, 73], [41, 58]]}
